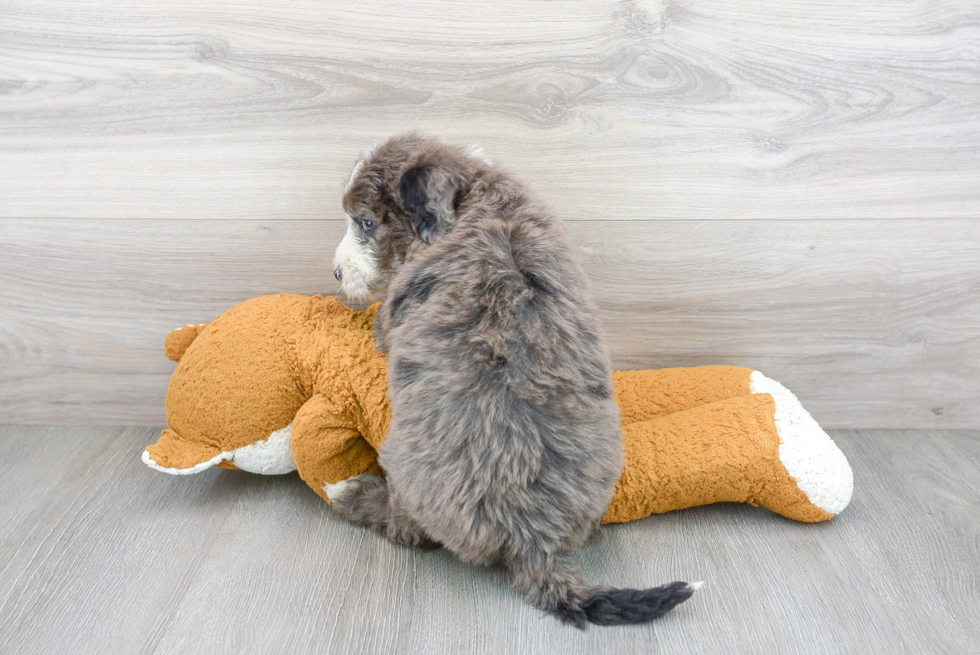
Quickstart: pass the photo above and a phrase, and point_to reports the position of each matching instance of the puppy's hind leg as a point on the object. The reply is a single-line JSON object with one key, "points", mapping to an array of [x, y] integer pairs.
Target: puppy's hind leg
{"points": [[551, 582], [365, 499]]}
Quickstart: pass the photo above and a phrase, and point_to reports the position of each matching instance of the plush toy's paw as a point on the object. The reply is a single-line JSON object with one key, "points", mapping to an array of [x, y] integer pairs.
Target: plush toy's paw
{"points": [[810, 456]]}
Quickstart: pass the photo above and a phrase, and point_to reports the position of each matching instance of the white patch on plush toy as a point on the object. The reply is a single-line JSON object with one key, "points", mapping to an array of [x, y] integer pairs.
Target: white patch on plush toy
{"points": [[809, 454], [759, 383], [272, 456]]}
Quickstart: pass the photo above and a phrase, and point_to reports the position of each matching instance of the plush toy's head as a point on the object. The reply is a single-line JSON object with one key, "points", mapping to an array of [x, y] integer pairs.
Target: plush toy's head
{"points": [[239, 383]]}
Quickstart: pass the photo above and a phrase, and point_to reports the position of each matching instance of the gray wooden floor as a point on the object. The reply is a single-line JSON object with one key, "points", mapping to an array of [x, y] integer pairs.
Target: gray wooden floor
{"points": [[100, 554]]}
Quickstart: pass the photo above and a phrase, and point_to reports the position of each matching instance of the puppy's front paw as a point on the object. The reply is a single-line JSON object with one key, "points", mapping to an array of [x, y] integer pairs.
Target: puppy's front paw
{"points": [[337, 491]]}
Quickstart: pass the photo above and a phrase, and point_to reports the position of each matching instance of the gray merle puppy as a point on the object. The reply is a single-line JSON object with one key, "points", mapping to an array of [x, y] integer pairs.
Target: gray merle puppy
{"points": [[504, 444]]}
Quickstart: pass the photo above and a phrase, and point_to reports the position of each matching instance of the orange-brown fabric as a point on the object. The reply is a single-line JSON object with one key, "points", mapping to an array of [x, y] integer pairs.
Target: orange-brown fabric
{"points": [[172, 451], [180, 339], [234, 385], [251, 371], [327, 445], [692, 435], [725, 451], [643, 395]]}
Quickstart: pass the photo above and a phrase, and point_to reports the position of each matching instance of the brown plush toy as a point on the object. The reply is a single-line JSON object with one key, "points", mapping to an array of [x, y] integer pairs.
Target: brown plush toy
{"points": [[286, 382]]}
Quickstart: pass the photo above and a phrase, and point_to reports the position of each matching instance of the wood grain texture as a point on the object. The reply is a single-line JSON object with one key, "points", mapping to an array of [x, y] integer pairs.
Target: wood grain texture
{"points": [[871, 323], [105, 555], [613, 110]]}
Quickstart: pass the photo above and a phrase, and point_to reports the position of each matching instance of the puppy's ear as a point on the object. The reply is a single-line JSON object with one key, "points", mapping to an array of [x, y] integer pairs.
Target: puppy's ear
{"points": [[427, 193]]}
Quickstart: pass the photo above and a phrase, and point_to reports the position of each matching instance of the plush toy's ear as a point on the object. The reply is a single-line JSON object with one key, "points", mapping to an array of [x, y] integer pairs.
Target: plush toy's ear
{"points": [[427, 194], [177, 456], [179, 340]]}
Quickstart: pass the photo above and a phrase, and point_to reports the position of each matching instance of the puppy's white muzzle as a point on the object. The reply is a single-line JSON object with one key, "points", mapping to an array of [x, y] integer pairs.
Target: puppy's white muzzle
{"points": [[355, 266]]}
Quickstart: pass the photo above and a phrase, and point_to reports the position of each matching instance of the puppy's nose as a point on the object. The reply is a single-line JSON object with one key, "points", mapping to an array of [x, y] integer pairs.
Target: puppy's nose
{"points": [[339, 274]]}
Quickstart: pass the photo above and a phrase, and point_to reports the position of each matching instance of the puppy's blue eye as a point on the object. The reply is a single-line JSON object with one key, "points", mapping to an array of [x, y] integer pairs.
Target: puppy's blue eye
{"points": [[367, 223]]}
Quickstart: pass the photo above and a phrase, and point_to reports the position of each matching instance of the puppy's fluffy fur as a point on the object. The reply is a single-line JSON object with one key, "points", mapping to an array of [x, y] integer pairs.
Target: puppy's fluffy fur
{"points": [[504, 443]]}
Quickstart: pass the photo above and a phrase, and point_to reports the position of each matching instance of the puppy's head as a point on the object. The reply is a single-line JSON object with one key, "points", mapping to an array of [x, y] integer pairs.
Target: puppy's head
{"points": [[402, 195]]}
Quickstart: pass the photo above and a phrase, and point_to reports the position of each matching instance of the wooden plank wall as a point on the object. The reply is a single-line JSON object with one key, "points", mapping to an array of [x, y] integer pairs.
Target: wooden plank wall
{"points": [[789, 186]]}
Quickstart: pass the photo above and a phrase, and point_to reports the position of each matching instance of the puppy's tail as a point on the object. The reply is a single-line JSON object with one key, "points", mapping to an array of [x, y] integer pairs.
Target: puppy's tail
{"points": [[555, 585], [605, 606]]}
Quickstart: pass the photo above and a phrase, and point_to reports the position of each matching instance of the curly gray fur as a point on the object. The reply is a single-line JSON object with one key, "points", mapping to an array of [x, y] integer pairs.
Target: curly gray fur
{"points": [[504, 444]]}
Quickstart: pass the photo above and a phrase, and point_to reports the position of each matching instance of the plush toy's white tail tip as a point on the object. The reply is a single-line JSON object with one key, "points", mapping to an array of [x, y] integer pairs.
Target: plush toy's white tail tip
{"points": [[810, 456]]}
